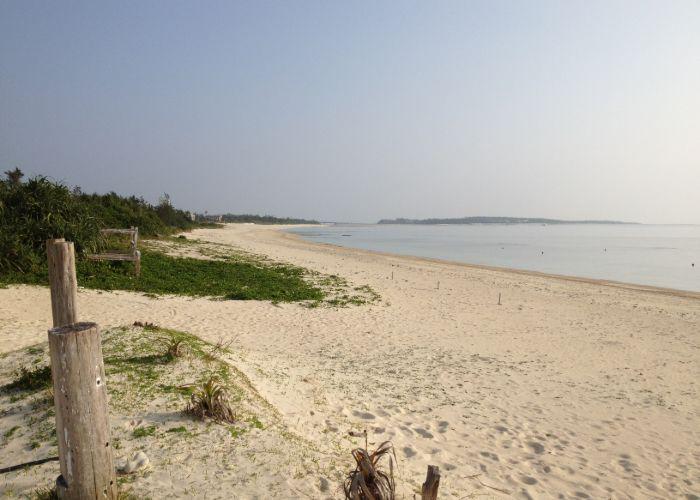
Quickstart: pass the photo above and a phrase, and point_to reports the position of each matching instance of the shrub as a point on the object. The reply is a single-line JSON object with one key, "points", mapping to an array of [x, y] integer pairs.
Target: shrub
{"points": [[40, 209], [37, 210]]}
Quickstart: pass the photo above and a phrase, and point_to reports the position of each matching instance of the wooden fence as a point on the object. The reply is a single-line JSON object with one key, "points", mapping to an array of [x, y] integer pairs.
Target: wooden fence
{"points": [[132, 255]]}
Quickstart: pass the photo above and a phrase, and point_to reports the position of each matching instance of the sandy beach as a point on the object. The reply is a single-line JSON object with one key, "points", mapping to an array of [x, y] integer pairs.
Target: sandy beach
{"points": [[567, 389]]}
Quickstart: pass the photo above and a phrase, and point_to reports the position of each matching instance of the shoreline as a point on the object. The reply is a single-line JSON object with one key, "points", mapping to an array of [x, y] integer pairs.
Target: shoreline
{"points": [[569, 387], [525, 272]]}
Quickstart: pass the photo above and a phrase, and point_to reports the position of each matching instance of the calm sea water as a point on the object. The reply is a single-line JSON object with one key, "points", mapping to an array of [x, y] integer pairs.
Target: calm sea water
{"points": [[659, 255]]}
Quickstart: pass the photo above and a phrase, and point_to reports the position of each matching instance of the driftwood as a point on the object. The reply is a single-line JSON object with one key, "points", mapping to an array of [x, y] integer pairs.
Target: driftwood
{"points": [[431, 484], [12, 468]]}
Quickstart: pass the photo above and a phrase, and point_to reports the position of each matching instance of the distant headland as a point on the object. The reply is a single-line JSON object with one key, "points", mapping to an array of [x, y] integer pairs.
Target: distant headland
{"points": [[497, 220], [256, 219]]}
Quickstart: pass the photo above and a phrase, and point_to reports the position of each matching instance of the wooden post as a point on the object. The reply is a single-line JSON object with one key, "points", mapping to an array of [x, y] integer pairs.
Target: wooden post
{"points": [[134, 238], [82, 416], [499, 298], [431, 484], [62, 281], [137, 263], [137, 254]]}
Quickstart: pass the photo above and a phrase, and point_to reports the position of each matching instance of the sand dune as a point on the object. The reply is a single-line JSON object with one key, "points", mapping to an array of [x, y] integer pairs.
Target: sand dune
{"points": [[569, 387]]}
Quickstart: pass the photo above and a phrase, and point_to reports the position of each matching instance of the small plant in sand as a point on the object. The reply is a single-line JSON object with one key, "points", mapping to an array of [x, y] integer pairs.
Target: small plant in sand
{"points": [[45, 494], [174, 347], [210, 400], [368, 481]]}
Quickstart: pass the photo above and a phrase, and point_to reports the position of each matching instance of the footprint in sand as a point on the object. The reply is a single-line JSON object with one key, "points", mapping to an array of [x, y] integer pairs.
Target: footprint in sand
{"points": [[424, 433], [363, 414], [442, 426], [490, 455], [536, 447], [409, 452]]}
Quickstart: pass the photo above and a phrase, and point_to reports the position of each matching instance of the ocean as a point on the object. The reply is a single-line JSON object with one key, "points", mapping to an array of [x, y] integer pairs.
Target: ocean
{"points": [[645, 254]]}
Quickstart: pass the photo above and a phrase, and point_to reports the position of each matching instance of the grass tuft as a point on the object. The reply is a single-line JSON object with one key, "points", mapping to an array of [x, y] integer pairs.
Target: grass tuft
{"points": [[45, 494], [51, 494], [141, 432], [210, 400]]}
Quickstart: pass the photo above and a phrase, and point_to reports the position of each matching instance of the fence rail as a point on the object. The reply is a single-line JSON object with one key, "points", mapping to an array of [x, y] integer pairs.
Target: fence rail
{"points": [[132, 255]]}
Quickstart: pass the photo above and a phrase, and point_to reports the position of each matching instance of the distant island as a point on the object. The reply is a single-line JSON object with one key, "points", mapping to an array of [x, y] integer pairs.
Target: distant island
{"points": [[497, 220], [257, 219]]}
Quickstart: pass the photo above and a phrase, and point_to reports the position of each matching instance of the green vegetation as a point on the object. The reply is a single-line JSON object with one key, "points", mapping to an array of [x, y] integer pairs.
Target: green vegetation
{"points": [[117, 211], [264, 219], [45, 494], [140, 367], [163, 274], [209, 400], [39, 209], [8, 433], [182, 429], [140, 432], [144, 384]]}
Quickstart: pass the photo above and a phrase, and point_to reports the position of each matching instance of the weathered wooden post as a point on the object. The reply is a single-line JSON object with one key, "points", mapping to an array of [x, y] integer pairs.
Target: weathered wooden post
{"points": [[431, 484], [137, 263], [134, 251], [80, 397], [82, 416], [62, 281]]}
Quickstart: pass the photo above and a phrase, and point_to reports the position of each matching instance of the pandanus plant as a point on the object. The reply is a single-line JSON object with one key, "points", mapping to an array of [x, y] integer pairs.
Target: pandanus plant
{"points": [[368, 481], [210, 400]]}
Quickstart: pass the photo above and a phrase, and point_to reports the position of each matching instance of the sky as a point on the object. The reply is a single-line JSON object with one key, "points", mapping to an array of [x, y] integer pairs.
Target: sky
{"points": [[356, 111]]}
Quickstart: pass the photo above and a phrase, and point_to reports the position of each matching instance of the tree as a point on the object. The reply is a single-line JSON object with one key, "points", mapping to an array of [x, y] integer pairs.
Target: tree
{"points": [[165, 200], [14, 176]]}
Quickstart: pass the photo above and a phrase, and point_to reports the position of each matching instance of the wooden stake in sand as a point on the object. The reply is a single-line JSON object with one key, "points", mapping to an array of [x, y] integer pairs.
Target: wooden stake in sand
{"points": [[82, 416], [499, 298], [62, 281], [429, 491], [77, 369]]}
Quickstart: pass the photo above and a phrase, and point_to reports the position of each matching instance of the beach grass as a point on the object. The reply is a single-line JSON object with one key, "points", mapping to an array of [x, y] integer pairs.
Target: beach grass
{"points": [[163, 274], [190, 267], [144, 379]]}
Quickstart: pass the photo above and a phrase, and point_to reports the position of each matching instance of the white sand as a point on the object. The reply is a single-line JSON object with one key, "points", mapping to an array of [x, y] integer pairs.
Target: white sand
{"points": [[569, 387]]}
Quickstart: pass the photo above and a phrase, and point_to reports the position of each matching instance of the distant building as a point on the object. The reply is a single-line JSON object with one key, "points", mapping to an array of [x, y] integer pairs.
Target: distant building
{"points": [[211, 218]]}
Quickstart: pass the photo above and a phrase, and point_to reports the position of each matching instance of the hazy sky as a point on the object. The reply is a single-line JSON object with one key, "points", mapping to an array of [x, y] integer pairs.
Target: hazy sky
{"points": [[355, 111]]}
